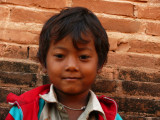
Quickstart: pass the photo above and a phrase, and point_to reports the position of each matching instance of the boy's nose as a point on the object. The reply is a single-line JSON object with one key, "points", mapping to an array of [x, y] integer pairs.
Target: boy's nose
{"points": [[72, 64]]}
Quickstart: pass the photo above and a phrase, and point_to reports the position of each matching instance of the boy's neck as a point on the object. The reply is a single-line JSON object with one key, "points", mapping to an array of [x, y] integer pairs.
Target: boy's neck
{"points": [[74, 101]]}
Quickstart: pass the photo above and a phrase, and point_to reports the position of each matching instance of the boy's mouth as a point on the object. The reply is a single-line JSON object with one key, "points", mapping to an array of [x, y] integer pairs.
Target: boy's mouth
{"points": [[71, 78]]}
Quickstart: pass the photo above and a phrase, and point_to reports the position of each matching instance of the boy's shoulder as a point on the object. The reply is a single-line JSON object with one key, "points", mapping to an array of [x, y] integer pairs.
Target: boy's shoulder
{"points": [[28, 96], [109, 106], [107, 101], [26, 105]]}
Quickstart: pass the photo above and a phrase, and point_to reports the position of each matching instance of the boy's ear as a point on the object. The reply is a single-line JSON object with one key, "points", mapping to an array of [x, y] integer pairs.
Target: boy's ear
{"points": [[44, 70], [99, 71]]}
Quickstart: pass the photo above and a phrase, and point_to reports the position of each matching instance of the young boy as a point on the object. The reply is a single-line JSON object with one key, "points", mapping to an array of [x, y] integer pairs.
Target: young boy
{"points": [[73, 47]]}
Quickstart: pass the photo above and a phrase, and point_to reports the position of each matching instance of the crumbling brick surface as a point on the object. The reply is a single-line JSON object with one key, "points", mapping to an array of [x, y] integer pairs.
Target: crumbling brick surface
{"points": [[132, 74]]}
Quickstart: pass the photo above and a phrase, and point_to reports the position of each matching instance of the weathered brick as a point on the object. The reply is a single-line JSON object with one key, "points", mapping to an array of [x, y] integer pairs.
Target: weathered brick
{"points": [[153, 28], [45, 79], [139, 106], [147, 75], [3, 112], [152, 118], [25, 89], [141, 1], [24, 28], [18, 36], [120, 25], [113, 44], [41, 3], [29, 16], [133, 117], [33, 53], [4, 12], [4, 91], [134, 43], [133, 60], [51, 3], [34, 28], [13, 51], [18, 78], [109, 7], [11, 66], [104, 86], [153, 1], [123, 46], [119, 41], [144, 47], [107, 73], [142, 89], [149, 11]]}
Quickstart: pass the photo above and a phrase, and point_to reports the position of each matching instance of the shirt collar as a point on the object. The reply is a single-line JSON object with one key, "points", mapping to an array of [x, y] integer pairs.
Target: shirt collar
{"points": [[93, 103], [51, 96]]}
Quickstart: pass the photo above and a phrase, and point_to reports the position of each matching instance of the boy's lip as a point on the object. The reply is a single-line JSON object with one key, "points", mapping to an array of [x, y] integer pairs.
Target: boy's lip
{"points": [[71, 78]]}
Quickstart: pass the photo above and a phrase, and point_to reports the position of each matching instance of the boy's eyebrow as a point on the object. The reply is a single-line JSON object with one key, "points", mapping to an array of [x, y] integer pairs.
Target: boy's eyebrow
{"points": [[59, 48]]}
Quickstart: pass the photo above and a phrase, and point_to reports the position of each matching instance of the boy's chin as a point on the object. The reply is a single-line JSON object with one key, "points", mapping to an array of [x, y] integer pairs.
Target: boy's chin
{"points": [[73, 92]]}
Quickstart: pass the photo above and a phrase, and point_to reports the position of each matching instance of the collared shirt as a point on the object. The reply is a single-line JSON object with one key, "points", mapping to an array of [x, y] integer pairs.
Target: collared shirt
{"points": [[53, 110]]}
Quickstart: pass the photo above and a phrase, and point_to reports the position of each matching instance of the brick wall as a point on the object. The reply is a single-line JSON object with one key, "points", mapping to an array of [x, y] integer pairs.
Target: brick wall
{"points": [[132, 75]]}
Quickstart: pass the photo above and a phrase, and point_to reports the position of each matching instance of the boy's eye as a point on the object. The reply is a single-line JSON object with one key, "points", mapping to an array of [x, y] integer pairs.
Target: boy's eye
{"points": [[84, 57], [60, 56]]}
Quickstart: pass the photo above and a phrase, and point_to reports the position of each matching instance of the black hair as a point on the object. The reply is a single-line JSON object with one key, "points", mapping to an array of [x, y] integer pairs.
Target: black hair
{"points": [[74, 21]]}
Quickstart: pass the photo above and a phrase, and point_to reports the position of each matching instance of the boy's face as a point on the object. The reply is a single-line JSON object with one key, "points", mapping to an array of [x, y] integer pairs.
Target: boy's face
{"points": [[72, 71]]}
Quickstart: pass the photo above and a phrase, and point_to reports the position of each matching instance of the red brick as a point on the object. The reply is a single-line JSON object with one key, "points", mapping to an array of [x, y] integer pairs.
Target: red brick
{"points": [[154, 1], [149, 12], [25, 89], [3, 112], [33, 53], [18, 36], [107, 72], [41, 3], [144, 47], [123, 46], [45, 79], [134, 117], [153, 28], [119, 41], [137, 43], [137, 0], [25, 27], [13, 66], [140, 107], [13, 51], [158, 113], [18, 78], [29, 15], [133, 60], [116, 8], [4, 91], [4, 12], [141, 89], [113, 44], [143, 75], [120, 25], [103, 86], [51, 3]]}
